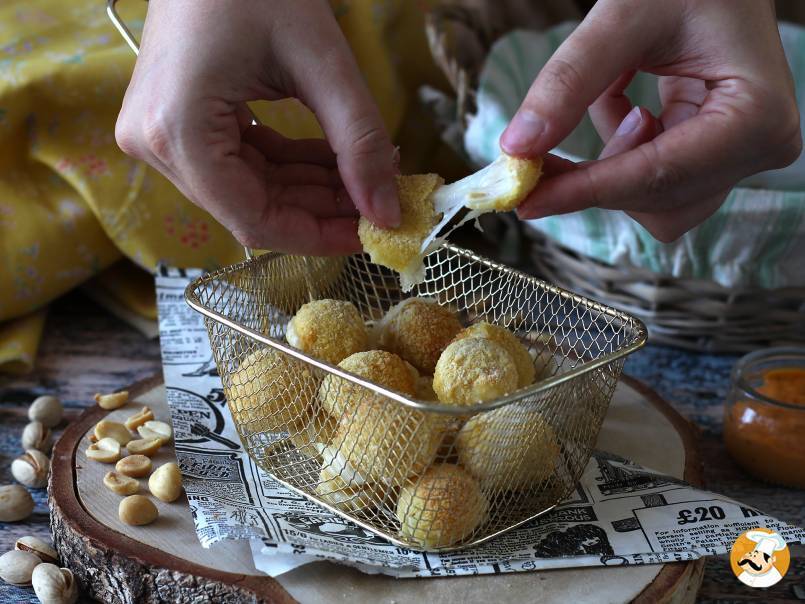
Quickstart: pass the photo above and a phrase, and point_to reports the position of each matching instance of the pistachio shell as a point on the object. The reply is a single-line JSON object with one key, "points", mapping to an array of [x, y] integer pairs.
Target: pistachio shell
{"points": [[16, 503], [34, 545], [16, 567], [46, 409], [31, 469], [54, 585]]}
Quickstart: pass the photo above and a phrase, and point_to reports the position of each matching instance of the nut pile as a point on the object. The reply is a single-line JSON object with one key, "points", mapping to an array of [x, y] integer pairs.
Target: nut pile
{"points": [[33, 563], [21, 566], [110, 438], [32, 468]]}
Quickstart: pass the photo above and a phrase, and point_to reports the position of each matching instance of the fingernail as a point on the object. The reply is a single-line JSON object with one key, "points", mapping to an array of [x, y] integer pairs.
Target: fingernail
{"points": [[630, 123], [531, 213], [522, 133], [386, 205]]}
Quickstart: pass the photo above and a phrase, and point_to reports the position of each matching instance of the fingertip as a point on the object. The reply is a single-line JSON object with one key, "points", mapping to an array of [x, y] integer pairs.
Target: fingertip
{"points": [[385, 206], [523, 135]]}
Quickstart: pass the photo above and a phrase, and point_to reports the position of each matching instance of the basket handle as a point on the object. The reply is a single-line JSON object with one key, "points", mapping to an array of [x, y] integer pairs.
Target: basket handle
{"points": [[125, 32]]}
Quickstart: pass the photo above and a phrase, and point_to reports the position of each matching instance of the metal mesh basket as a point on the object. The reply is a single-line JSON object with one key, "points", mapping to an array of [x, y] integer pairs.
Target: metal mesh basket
{"points": [[422, 474]]}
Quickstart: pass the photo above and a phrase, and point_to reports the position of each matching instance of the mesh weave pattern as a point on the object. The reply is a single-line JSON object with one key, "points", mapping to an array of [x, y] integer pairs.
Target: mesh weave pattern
{"points": [[421, 474]]}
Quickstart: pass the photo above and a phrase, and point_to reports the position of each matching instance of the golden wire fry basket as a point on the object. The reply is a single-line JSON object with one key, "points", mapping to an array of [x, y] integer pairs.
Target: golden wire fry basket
{"points": [[422, 474]]}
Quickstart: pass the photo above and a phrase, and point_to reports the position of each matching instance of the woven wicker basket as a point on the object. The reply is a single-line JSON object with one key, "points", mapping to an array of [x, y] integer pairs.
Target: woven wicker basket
{"points": [[691, 313]]}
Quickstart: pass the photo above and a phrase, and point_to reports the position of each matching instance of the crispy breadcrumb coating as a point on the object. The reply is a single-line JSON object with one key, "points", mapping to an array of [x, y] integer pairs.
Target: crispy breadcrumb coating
{"points": [[270, 392], [442, 508], [474, 370], [502, 336], [329, 330], [343, 487], [424, 389], [339, 396], [388, 443], [399, 249], [418, 330], [510, 448]]}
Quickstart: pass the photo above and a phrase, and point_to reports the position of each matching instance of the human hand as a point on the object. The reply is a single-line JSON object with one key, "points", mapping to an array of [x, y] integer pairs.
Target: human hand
{"points": [[185, 114], [728, 110]]}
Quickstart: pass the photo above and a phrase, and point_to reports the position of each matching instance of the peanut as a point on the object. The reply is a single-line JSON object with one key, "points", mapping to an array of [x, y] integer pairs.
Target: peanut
{"points": [[138, 419], [166, 482], [135, 466], [154, 429], [106, 450], [112, 401], [110, 429], [144, 446], [120, 484], [137, 510]]}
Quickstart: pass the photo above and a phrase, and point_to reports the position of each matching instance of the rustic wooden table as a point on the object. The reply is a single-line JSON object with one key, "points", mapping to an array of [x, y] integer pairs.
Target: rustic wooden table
{"points": [[86, 350]]}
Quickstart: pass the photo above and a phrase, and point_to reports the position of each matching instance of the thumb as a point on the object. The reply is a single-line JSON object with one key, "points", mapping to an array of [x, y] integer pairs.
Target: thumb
{"points": [[355, 130], [585, 65]]}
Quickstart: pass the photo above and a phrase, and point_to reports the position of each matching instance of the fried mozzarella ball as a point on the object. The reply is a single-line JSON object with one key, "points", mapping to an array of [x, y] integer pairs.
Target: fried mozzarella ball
{"points": [[428, 205], [387, 442], [328, 330], [339, 397], [502, 336], [442, 508], [544, 356], [343, 487], [510, 448], [500, 186], [271, 392], [474, 370], [312, 435], [424, 389], [400, 249], [418, 329]]}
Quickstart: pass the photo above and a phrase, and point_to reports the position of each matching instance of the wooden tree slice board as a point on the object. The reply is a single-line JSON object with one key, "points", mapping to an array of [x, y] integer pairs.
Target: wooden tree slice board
{"points": [[164, 562]]}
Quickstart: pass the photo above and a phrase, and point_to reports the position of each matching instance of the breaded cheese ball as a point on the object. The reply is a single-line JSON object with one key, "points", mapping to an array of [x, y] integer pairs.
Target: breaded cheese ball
{"points": [[399, 249], [474, 370], [502, 336], [442, 508], [387, 442], [315, 433], [424, 389], [544, 356], [510, 448], [418, 329], [339, 397], [328, 330], [343, 487], [270, 392]]}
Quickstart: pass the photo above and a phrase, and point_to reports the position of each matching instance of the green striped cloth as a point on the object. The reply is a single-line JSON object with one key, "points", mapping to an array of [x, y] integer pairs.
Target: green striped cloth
{"points": [[757, 238]]}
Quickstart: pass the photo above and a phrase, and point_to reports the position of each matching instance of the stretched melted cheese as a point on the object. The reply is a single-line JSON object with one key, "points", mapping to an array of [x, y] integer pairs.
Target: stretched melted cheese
{"points": [[427, 205]]}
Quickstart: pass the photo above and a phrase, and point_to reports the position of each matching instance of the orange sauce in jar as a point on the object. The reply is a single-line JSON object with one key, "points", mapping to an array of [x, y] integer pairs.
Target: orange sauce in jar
{"points": [[769, 440]]}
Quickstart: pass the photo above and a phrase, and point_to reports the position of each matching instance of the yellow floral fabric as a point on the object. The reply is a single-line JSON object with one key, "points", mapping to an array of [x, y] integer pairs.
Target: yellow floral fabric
{"points": [[72, 204]]}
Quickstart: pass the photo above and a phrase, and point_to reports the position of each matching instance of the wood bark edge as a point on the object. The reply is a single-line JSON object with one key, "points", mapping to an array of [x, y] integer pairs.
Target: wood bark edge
{"points": [[114, 568]]}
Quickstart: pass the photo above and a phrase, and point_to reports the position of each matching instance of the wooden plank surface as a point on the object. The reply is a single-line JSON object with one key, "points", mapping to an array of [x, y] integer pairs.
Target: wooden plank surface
{"points": [[137, 557], [173, 532]]}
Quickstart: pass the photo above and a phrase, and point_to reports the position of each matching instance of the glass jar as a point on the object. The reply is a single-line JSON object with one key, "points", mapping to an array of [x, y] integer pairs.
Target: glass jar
{"points": [[764, 416]]}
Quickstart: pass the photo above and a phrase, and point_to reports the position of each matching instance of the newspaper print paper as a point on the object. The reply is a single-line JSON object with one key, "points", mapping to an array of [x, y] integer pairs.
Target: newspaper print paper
{"points": [[620, 513]]}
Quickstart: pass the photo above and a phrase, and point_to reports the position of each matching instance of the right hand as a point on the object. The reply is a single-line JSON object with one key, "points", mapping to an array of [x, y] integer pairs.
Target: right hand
{"points": [[185, 114], [729, 110]]}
